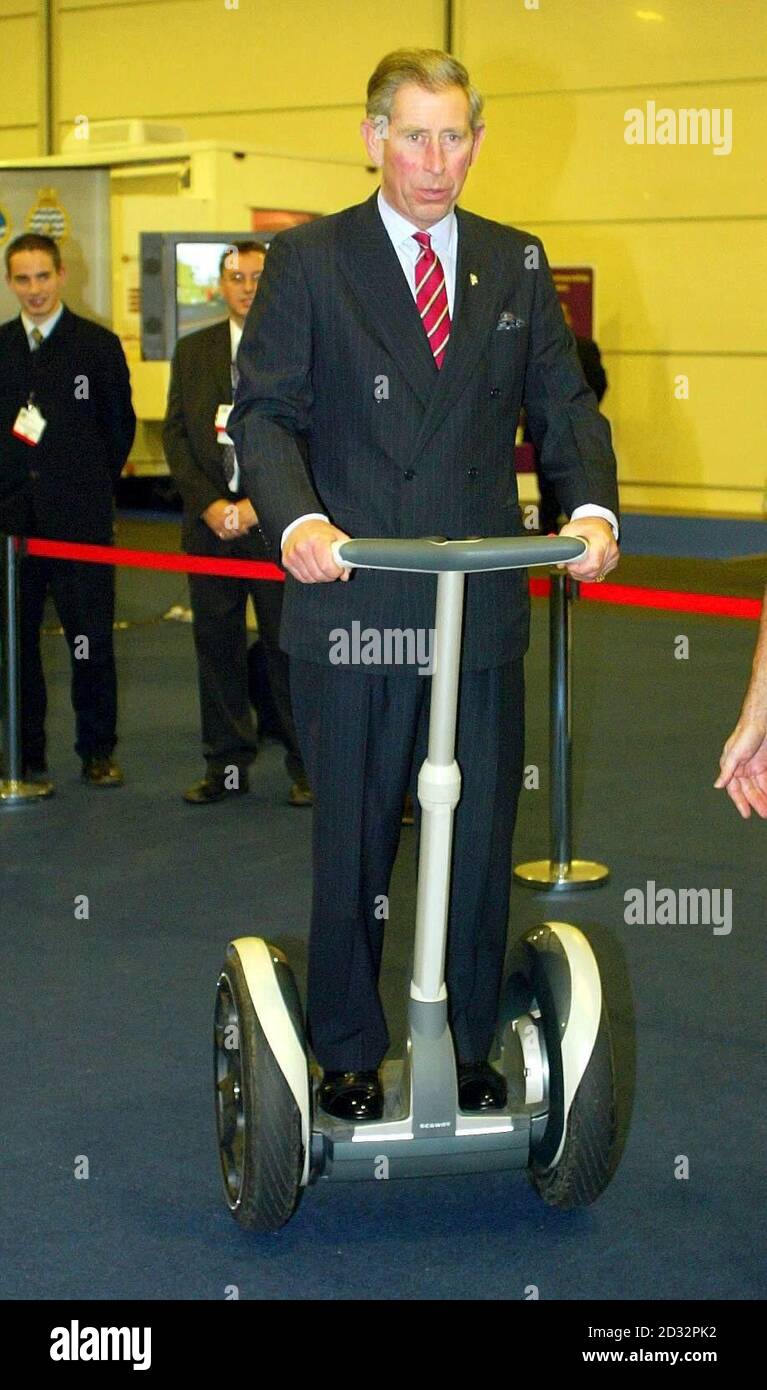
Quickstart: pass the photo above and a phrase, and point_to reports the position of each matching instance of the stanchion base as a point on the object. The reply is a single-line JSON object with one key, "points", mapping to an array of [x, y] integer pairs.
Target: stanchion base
{"points": [[14, 792], [554, 878]]}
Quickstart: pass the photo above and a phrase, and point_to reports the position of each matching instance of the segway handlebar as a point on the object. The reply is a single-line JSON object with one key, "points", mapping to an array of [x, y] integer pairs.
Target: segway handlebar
{"points": [[433, 555]]}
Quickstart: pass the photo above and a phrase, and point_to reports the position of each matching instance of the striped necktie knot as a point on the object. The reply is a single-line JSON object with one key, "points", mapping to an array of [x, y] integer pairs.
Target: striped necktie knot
{"points": [[431, 297]]}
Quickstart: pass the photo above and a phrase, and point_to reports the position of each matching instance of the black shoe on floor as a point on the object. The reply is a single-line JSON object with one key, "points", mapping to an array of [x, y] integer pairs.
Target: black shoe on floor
{"points": [[301, 793], [214, 786], [35, 772], [352, 1095], [102, 771], [480, 1087], [268, 729]]}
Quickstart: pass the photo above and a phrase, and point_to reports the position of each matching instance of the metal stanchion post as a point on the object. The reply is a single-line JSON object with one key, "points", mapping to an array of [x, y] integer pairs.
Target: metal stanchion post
{"points": [[14, 791], [560, 871]]}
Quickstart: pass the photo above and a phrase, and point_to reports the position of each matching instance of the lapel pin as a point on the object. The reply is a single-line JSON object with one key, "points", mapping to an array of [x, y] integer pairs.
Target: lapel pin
{"points": [[474, 278]]}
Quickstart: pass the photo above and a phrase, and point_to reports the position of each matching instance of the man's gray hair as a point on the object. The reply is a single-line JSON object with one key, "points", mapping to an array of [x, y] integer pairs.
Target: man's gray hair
{"points": [[429, 68]]}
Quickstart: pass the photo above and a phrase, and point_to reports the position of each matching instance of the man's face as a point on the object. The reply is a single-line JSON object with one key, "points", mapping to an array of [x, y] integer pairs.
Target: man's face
{"points": [[239, 282], [427, 152], [36, 283]]}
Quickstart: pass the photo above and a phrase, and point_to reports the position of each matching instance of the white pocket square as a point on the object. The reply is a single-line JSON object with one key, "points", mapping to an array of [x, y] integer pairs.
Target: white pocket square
{"points": [[508, 321]]}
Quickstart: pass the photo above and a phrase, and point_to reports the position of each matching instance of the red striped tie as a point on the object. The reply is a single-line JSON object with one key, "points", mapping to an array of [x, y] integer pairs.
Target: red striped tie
{"points": [[431, 297]]}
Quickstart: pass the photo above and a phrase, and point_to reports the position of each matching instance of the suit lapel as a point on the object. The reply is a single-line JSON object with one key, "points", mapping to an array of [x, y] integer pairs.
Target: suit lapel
{"points": [[220, 360], [371, 267], [20, 341], [479, 292]]}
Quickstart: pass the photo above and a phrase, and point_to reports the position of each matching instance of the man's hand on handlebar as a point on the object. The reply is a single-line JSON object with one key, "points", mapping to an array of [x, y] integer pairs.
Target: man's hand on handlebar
{"points": [[602, 554], [307, 553]]}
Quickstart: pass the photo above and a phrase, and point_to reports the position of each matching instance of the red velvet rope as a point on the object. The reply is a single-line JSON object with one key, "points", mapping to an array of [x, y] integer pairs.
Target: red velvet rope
{"points": [[153, 560], [670, 600]]}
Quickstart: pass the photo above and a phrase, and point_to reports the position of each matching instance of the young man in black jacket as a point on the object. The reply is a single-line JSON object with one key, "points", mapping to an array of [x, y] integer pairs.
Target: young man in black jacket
{"points": [[66, 428]]}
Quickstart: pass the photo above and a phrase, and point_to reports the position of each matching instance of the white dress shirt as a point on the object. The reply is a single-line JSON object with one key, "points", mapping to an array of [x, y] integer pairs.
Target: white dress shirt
{"points": [[47, 326], [444, 239]]}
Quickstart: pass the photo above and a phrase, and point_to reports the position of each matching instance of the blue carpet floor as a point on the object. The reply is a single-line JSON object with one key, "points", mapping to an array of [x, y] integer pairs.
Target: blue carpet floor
{"points": [[106, 1022], [707, 537]]}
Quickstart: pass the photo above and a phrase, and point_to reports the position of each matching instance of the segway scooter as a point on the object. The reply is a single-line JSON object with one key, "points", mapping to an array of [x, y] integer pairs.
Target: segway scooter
{"points": [[553, 1040]]}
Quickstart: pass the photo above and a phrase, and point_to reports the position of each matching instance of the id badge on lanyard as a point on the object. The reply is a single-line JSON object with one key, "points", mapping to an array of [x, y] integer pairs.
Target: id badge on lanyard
{"points": [[222, 417], [29, 424]]}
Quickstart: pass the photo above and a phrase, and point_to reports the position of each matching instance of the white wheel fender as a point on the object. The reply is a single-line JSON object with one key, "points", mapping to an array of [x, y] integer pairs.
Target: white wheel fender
{"points": [[266, 997], [577, 1042]]}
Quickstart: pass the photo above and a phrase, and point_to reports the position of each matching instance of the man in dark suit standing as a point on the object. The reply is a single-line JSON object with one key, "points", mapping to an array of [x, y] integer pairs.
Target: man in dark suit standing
{"points": [[67, 426], [382, 372], [219, 521]]}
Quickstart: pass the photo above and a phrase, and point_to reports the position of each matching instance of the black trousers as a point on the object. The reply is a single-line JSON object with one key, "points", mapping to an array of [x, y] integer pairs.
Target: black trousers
{"points": [[84, 596], [221, 642], [361, 736]]}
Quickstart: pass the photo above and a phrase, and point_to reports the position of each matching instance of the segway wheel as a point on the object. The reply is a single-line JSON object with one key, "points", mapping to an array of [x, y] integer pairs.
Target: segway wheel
{"points": [[258, 1122], [585, 1164]]}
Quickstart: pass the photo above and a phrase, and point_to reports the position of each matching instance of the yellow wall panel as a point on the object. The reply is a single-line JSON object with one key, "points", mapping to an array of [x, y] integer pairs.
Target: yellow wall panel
{"points": [[17, 7], [676, 233], [188, 57], [716, 439], [20, 87], [672, 286], [569, 44], [708, 453], [112, 4], [564, 157], [333, 133], [19, 143]]}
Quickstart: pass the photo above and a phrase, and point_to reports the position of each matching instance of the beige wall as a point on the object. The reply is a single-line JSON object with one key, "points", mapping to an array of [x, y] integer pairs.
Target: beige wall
{"points": [[286, 73], [676, 233], [22, 66]]}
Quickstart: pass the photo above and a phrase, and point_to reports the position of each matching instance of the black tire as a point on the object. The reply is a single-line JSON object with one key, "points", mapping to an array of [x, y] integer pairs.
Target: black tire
{"points": [[585, 1165], [258, 1122]]}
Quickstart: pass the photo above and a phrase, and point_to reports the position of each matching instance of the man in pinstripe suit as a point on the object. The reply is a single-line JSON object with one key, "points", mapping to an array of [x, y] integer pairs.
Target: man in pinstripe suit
{"points": [[382, 371]]}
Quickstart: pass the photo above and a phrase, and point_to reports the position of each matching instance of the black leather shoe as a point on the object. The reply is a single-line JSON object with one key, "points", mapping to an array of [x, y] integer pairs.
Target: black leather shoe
{"points": [[301, 793], [102, 772], [352, 1095], [213, 787], [480, 1087], [35, 772]]}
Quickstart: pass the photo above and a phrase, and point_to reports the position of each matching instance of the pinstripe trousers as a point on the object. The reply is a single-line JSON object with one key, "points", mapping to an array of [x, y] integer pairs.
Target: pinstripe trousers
{"points": [[360, 736]]}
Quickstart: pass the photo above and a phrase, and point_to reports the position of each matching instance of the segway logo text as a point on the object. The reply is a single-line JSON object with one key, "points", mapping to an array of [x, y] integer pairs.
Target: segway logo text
{"points": [[76, 1343]]}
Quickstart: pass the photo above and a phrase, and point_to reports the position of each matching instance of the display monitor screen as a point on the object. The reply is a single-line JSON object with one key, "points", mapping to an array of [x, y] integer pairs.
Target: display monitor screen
{"points": [[198, 299], [179, 285]]}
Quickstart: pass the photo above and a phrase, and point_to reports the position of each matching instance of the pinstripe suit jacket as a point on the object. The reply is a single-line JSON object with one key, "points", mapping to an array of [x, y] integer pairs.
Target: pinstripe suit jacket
{"points": [[341, 410]]}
